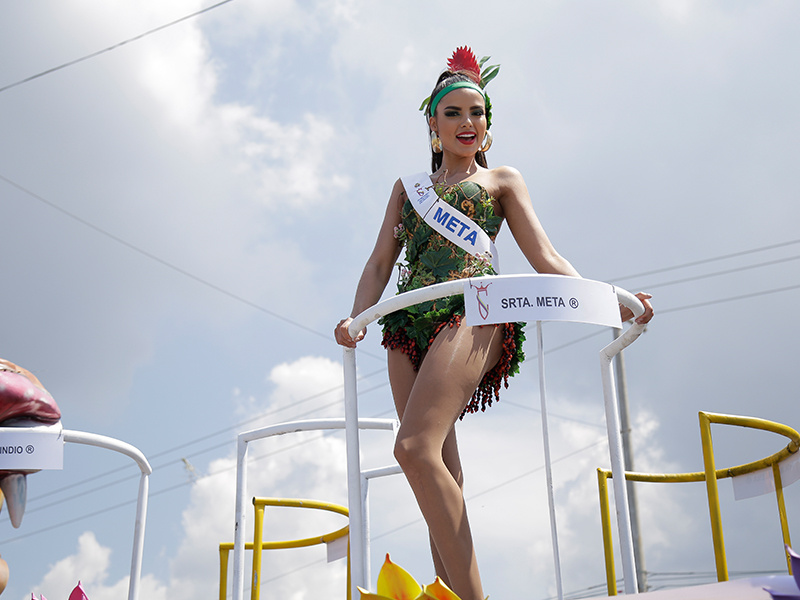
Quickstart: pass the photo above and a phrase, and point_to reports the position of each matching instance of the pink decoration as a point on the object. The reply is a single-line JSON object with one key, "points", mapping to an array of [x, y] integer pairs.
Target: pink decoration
{"points": [[78, 593], [20, 398]]}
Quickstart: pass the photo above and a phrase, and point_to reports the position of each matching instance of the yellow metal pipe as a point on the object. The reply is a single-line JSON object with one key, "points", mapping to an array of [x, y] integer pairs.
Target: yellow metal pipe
{"points": [[787, 540], [258, 533], [258, 544], [605, 520], [756, 423], [300, 503], [349, 586], [713, 497], [295, 503], [223, 570]]}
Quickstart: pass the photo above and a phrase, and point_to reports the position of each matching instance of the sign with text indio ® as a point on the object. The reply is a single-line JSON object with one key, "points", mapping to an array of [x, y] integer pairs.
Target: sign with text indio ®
{"points": [[540, 298], [23, 448]]}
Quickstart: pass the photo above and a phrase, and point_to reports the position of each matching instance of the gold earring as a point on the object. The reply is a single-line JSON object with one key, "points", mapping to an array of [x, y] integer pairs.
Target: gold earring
{"points": [[436, 143], [487, 141]]}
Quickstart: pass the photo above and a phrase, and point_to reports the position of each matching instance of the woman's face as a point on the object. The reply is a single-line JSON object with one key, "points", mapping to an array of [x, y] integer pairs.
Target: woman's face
{"points": [[460, 121]]}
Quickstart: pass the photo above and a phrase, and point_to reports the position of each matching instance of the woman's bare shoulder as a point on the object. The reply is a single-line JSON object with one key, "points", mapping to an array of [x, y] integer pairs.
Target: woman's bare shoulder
{"points": [[398, 196], [506, 176], [506, 183]]}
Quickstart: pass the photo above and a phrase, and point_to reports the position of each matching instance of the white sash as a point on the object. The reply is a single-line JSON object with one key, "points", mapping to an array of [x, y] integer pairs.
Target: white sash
{"points": [[448, 220]]}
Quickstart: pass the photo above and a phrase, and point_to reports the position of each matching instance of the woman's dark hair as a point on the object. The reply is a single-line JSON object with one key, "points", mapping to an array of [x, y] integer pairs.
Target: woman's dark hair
{"points": [[445, 79]]}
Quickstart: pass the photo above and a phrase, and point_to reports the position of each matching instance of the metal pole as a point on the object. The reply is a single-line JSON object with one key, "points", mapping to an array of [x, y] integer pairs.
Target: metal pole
{"points": [[239, 522], [358, 559], [548, 463], [627, 451], [617, 467]]}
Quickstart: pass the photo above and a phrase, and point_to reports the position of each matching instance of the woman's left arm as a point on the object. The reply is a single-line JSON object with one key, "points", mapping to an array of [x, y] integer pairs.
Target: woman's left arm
{"points": [[532, 239]]}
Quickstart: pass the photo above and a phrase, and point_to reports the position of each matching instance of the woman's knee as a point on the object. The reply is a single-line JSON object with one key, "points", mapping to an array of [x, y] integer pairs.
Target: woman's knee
{"points": [[413, 454]]}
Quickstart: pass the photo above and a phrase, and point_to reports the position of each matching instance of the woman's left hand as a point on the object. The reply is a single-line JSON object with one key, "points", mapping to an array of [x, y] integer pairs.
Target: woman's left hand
{"points": [[648, 313], [342, 334]]}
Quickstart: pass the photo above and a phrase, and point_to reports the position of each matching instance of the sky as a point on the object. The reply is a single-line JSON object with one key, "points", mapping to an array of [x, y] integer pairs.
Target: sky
{"points": [[185, 216]]}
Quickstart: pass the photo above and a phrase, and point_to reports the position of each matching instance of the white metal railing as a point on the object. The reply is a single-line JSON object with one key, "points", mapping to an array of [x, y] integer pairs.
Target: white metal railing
{"points": [[361, 485], [46, 444], [358, 549]]}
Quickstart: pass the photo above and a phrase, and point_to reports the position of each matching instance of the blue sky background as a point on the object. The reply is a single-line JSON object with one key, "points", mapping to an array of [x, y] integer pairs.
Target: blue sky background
{"points": [[185, 218]]}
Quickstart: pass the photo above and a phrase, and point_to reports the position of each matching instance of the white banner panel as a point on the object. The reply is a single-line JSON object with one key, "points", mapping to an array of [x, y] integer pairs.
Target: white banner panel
{"points": [[23, 448], [337, 549], [753, 484], [762, 481], [540, 298]]}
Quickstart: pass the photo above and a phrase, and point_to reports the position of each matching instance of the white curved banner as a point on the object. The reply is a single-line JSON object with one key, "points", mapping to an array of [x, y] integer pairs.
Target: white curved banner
{"points": [[40, 447], [540, 298]]}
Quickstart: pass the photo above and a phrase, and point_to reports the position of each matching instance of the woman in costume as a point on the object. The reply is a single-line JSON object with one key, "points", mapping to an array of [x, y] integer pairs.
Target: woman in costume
{"points": [[440, 368]]}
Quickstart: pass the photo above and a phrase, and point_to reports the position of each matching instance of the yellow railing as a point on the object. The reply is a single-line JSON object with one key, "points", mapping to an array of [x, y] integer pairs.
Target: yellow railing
{"points": [[259, 544], [710, 475]]}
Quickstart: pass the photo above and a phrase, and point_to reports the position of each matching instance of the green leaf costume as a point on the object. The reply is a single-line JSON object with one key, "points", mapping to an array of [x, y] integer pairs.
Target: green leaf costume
{"points": [[430, 258]]}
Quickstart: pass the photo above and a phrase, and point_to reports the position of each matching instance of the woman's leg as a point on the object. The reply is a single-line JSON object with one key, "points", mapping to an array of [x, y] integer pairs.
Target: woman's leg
{"points": [[452, 369], [402, 376], [453, 463]]}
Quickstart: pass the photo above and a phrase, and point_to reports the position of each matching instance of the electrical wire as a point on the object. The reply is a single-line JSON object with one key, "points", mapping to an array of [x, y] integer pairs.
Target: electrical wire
{"points": [[329, 338], [110, 48], [718, 273], [706, 260], [236, 427], [115, 238]]}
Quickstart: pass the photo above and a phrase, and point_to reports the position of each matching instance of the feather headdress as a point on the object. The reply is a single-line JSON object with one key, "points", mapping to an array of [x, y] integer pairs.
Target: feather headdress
{"points": [[464, 61]]}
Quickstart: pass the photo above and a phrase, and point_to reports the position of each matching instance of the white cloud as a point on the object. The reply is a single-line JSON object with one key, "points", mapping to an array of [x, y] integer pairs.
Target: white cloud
{"points": [[89, 564]]}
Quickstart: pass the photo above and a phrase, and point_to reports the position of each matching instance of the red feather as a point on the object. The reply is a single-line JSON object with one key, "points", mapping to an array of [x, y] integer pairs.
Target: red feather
{"points": [[464, 60]]}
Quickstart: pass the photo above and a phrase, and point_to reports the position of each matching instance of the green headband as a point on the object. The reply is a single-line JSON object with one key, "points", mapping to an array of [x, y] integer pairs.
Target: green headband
{"points": [[454, 86]]}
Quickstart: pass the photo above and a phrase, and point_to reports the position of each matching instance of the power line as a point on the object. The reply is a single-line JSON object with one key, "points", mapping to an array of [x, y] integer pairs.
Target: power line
{"points": [[725, 272], [165, 263], [161, 491], [110, 48], [730, 299], [329, 338], [706, 260], [236, 426]]}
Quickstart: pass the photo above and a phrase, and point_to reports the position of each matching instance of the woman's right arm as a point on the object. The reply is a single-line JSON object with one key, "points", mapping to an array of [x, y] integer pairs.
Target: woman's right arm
{"points": [[378, 269]]}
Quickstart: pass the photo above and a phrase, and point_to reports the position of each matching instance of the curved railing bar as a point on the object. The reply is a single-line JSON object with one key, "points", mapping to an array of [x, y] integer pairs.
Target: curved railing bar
{"points": [[453, 288], [102, 441], [303, 503], [360, 564]]}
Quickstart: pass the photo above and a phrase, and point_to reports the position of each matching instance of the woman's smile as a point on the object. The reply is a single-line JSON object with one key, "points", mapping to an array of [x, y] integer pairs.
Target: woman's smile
{"points": [[467, 138]]}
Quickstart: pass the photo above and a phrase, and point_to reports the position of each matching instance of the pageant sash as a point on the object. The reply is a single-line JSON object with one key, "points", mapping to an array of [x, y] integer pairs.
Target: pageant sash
{"points": [[448, 220]]}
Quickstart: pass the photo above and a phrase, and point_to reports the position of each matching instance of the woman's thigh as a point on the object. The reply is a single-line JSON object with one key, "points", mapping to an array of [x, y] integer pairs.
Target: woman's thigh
{"points": [[402, 376], [453, 367]]}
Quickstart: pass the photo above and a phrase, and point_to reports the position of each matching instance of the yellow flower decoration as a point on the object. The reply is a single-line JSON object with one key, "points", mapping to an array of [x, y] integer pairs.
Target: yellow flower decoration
{"points": [[395, 583], [438, 591]]}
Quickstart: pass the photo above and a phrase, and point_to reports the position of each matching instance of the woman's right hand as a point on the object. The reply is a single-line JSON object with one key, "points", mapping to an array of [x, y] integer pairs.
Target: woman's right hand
{"points": [[343, 337]]}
